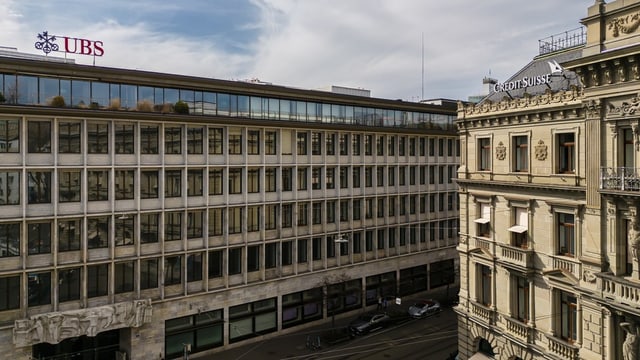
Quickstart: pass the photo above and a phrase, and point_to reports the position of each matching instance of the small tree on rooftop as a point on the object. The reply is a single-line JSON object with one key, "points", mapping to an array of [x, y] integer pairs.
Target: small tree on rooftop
{"points": [[58, 101], [181, 107]]}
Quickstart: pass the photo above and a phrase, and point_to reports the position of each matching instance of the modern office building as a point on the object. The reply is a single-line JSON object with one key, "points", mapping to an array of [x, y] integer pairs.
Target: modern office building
{"points": [[549, 187], [149, 214]]}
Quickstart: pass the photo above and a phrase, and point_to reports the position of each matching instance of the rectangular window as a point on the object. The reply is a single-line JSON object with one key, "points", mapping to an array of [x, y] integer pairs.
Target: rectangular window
{"points": [[194, 267], [39, 288], [215, 181], [149, 184], [391, 145], [303, 214], [69, 284], [149, 229], [173, 139], [270, 255], [195, 138], [172, 183], [253, 258], [195, 227], [253, 218], [287, 179], [302, 178], [253, 180], [98, 138], [216, 221], [484, 149], [287, 215], [330, 144], [124, 138], [343, 143], [356, 208], [402, 175], [10, 136], [39, 187], [522, 299], [215, 264], [380, 145], [344, 177], [172, 225], [330, 177], [235, 220], [302, 251], [287, 253], [123, 281], [125, 230], [148, 274], [316, 213], [69, 135], [568, 317], [98, 232], [69, 234], [331, 212], [380, 207], [270, 179], [124, 180], [216, 139], [9, 293], [484, 220], [270, 142], [355, 143], [98, 185], [149, 139], [566, 235], [520, 227], [402, 145], [302, 143], [344, 210], [270, 216], [521, 154], [39, 237], [253, 142], [69, 185], [380, 176], [316, 250], [194, 182], [235, 142], [235, 180], [391, 175], [566, 153], [39, 135], [368, 145], [485, 285], [316, 143], [368, 211], [356, 175], [172, 270], [316, 178], [97, 280]]}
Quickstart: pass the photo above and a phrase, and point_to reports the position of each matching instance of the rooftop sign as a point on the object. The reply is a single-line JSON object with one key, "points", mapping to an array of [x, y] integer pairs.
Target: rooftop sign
{"points": [[528, 81], [47, 43]]}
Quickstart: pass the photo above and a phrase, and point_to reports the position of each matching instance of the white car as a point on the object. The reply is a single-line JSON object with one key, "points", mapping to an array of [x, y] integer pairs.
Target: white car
{"points": [[424, 308]]}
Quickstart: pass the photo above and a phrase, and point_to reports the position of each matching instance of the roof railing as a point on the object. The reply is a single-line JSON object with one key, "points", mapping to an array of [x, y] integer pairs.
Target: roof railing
{"points": [[561, 41]]}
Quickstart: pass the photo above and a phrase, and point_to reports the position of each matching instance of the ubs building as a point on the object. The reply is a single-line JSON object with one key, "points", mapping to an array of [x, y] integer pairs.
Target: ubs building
{"points": [[144, 214]]}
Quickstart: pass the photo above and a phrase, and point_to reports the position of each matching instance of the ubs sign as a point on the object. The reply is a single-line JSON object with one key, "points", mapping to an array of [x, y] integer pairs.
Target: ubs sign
{"points": [[47, 43]]}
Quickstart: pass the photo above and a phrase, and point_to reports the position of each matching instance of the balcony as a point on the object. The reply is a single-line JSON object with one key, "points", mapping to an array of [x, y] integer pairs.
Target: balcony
{"points": [[563, 349], [620, 179], [619, 289], [485, 313], [516, 256], [567, 265], [519, 329], [482, 243]]}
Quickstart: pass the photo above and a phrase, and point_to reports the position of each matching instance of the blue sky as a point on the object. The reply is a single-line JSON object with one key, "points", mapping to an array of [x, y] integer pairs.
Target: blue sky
{"points": [[372, 44]]}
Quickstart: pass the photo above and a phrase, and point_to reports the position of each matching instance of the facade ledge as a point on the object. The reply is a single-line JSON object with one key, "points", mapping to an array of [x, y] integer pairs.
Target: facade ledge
{"points": [[485, 313], [562, 348], [523, 185], [520, 258], [520, 330], [619, 290]]}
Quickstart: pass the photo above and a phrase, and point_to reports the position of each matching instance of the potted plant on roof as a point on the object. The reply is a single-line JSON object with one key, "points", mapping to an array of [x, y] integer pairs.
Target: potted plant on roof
{"points": [[58, 101], [181, 107]]}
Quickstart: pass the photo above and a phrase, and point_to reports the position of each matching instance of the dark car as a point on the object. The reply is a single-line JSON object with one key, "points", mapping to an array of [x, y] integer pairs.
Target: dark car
{"points": [[424, 308], [368, 322]]}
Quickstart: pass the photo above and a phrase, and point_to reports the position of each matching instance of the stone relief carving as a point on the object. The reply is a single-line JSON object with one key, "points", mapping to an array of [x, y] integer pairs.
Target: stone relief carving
{"points": [[624, 24], [588, 276], [549, 97], [501, 151], [541, 151], [593, 108], [630, 344], [57, 326], [626, 108]]}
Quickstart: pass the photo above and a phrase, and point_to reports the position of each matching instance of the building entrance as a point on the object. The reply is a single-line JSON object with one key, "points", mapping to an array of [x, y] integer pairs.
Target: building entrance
{"points": [[101, 347]]}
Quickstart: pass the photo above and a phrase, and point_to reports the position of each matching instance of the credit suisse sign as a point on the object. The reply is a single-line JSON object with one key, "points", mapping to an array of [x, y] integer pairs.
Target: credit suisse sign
{"points": [[47, 43]]}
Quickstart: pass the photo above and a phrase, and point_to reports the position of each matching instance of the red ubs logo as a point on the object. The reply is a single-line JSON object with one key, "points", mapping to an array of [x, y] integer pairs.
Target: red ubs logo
{"points": [[72, 45]]}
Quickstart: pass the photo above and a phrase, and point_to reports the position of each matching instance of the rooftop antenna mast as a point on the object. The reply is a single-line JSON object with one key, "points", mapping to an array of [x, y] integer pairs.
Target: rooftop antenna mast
{"points": [[422, 94]]}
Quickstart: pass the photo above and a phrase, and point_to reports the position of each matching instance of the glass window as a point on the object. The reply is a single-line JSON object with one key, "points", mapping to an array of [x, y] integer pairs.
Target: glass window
{"points": [[149, 227], [98, 138], [124, 184], [194, 182], [253, 142], [39, 187], [270, 179], [194, 267], [566, 236], [253, 180], [215, 181], [39, 291], [521, 154], [253, 218], [235, 261], [302, 178], [149, 184], [69, 185], [124, 138], [98, 183], [235, 142], [69, 137], [39, 237], [172, 270], [270, 142], [216, 221], [69, 234], [270, 216], [123, 281], [149, 139], [97, 280], [148, 274], [194, 224], [195, 137], [173, 139], [215, 140], [172, 225], [286, 253], [173, 183], [566, 153], [9, 293], [235, 220], [302, 143], [98, 232], [215, 264], [330, 177], [253, 258], [330, 144], [235, 180], [39, 137], [125, 230], [9, 136]]}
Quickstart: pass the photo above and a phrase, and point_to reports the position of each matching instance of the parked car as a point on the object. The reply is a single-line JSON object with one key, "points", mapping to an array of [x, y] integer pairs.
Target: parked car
{"points": [[368, 322], [424, 308]]}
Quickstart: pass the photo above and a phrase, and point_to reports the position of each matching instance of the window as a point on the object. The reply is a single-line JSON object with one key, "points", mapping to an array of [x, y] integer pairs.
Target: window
{"points": [[330, 144], [391, 145], [520, 227], [149, 184], [253, 180], [98, 185], [252, 319], [149, 228], [124, 184], [123, 281], [302, 178], [215, 181], [194, 267], [402, 175], [270, 142], [253, 258], [356, 175], [344, 177], [172, 183], [316, 143], [172, 270], [10, 136], [235, 220], [68, 137], [270, 217], [9, 293], [270, 255], [235, 141], [69, 234], [330, 177], [316, 178], [39, 187], [149, 139], [194, 182], [270, 179], [195, 137], [368, 145], [125, 230], [303, 256], [521, 154], [485, 285], [391, 175], [343, 143], [380, 208], [380, 145], [194, 224], [355, 143], [357, 204], [303, 214], [423, 146], [368, 214], [253, 142], [344, 210], [287, 215], [215, 264], [566, 236], [302, 143], [173, 139], [301, 307], [235, 180], [253, 218], [39, 291], [216, 221], [124, 138], [98, 138], [97, 280], [39, 137], [568, 317], [380, 176], [69, 284], [203, 331], [98, 232], [235, 261], [39, 238], [316, 213], [484, 149], [286, 253], [566, 153], [69, 185], [215, 140], [148, 274], [402, 145], [484, 220], [331, 212], [287, 179], [172, 225], [522, 299]]}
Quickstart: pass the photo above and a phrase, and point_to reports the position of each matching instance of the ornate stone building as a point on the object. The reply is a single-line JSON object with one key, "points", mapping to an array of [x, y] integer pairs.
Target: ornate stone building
{"points": [[550, 195]]}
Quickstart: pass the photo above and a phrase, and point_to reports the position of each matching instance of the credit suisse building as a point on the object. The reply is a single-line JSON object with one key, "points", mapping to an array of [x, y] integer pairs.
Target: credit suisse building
{"points": [[142, 211]]}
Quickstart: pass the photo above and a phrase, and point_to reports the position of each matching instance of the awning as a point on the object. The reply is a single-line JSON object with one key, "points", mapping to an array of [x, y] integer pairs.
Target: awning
{"points": [[518, 229], [482, 220], [481, 356]]}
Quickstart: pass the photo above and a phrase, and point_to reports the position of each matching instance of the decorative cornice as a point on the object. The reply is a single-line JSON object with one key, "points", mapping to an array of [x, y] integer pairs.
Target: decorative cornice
{"points": [[624, 24]]}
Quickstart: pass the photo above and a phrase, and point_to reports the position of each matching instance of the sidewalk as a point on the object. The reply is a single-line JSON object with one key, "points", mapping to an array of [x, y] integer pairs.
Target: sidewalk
{"points": [[293, 345]]}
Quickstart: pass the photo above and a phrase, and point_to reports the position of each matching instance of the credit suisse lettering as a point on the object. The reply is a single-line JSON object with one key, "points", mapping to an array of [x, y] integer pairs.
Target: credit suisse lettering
{"points": [[526, 81]]}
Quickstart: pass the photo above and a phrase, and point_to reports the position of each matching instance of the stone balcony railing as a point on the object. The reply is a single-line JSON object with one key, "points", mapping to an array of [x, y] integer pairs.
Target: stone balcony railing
{"points": [[619, 289], [516, 255], [620, 179], [519, 329], [483, 312], [567, 264], [482, 243], [563, 349]]}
